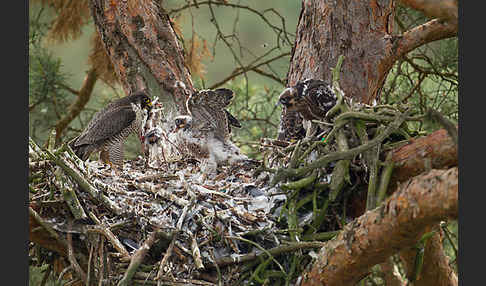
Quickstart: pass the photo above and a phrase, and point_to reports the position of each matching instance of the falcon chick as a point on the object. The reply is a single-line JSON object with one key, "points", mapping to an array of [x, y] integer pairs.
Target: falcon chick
{"points": [[205, 133], [110, 127], [311, 98]]}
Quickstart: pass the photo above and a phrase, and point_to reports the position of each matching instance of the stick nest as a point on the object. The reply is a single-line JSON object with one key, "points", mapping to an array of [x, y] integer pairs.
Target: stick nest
{"points": [[260, 224]]}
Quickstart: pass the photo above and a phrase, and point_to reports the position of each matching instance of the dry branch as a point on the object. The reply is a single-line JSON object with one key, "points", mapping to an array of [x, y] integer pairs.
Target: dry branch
{"points": [[435, 151], [423, 201], [431, 31], [279, 250], [143, 47], [49, 239], [436, 269], [83, 96], [137, 258], [442, 9]]}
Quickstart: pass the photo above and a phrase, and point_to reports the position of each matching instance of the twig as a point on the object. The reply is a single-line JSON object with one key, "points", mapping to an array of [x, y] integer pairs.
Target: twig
{"points": [[63, 272], [46, 275], [320, 236], [443, 225], [70, 197], [261, 248], [302, 183], [220, 283], [244, 69], [279, 250], [84, 184], [90, 257], [99, 228], [101, 260], [372, 161], [137, 258], [446, 123], [196, 253], [72, 258], [49, 229], [159, 176], [385, 178], [282, 174], [168, 252], [162, 193]]}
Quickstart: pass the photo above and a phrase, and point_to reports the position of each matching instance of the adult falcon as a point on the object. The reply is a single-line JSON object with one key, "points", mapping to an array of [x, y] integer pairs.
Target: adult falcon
{"points": [[205, 133], [311, 98], [110, 127]]}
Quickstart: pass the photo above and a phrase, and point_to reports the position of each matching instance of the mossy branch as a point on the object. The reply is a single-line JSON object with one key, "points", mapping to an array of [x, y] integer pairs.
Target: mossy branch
{"points": [[284, 173]]}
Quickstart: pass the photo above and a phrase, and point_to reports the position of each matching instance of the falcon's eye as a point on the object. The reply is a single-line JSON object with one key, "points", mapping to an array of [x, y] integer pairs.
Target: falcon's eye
{"points": [[284, 100]]}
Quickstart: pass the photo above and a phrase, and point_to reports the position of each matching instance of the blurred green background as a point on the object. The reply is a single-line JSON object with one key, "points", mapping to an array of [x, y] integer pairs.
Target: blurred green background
{"points": [[250, 38], [255, 39], [432, 67]]}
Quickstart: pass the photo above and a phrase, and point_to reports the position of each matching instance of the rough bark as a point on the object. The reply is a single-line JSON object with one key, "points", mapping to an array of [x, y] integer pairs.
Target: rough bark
{"points": [[143, 47], [390, 277], [435, 269], [423, 201], [435, 151], [40, 236], [446, 10], [83, 96], [361, 31], [355, 29]]}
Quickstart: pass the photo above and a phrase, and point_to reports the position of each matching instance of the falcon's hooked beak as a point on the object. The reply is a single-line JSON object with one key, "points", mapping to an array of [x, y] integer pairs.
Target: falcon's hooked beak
{"points": [[180, 123]]}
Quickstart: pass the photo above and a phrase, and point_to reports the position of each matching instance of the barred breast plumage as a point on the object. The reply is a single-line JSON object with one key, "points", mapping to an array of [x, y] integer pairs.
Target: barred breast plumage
{"points": [[110, 127]]}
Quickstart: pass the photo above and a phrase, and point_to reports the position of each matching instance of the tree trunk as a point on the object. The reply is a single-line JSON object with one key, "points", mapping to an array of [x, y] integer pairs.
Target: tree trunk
{"points": [[358, 30], [361, 31], [144, 50]]}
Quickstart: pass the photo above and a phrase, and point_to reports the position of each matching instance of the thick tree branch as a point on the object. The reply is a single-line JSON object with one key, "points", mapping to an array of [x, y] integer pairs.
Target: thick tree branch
{"points": [[435, 151], [84, 94], [142, 45], [431, 31], [440, 9], [423, 201], [435, 269]]}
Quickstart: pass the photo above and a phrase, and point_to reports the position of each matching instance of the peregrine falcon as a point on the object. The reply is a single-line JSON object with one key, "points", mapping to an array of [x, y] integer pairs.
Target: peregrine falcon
{"points": [[110, 127], [311, 98], [205, 133]]}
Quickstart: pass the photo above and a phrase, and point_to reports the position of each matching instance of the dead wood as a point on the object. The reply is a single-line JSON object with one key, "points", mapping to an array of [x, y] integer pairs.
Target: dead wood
{"points": [[143, 47]]}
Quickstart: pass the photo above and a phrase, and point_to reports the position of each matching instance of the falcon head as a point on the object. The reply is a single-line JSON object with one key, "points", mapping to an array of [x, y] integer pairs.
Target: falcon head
{"points": [[311, 98], [143, 99], [182, 122], [291, 99]]}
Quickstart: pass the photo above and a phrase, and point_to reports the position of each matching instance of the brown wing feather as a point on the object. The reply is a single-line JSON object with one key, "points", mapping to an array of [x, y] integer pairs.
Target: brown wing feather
{"points": [[207, 109], [107, 125]]}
